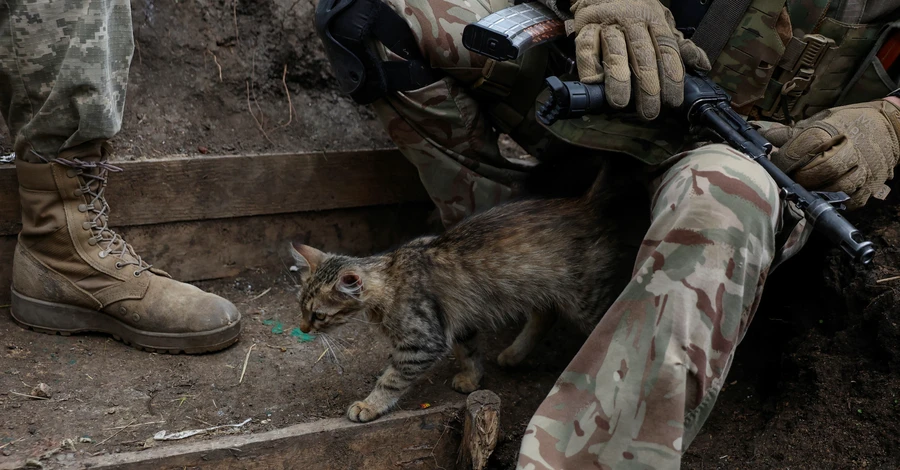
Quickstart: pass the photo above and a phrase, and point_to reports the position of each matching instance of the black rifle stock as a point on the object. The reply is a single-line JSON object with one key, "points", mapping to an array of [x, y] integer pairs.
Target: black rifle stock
{"points": [[708, 106]]}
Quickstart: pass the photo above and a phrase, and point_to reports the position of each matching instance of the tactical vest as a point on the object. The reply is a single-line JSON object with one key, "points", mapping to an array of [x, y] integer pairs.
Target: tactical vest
{"points": [[786, 60]]}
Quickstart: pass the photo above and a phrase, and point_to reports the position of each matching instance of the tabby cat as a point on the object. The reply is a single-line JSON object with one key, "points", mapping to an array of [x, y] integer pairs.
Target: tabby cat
{"points": [[537, 259]]}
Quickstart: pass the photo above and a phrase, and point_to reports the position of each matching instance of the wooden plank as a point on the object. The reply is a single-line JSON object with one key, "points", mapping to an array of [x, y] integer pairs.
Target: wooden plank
{"points": [[200, 250], [405, 439], [200, 188]]}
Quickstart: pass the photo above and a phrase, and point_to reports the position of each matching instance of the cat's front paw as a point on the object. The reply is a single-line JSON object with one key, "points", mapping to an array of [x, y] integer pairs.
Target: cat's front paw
{"points": [[362, 412], [464, 382], [510, 357]]}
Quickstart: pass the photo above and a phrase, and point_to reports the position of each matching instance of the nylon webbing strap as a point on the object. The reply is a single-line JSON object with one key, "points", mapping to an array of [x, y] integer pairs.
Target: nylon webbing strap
{"points": [[792, 53], [393, 31], [717, 26]]}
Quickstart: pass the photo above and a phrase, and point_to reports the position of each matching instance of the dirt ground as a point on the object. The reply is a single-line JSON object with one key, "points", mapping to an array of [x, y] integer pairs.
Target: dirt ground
{"points": [[99, 385], [814, 384]]}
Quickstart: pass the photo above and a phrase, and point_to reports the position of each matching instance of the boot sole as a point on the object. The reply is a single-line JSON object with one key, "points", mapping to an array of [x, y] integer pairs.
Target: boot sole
{"points": [[52, 318]]}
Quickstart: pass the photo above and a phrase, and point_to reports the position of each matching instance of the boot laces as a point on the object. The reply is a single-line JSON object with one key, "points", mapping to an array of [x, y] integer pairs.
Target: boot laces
{"points": [[93, 177]]}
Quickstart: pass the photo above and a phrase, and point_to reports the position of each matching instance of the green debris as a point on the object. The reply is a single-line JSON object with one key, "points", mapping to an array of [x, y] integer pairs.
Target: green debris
{"points": [[301, 336], [859, 411], [277, 329]]}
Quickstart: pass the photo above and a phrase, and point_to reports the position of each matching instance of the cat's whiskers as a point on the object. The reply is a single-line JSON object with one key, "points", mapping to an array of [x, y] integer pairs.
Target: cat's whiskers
{"points": [[332, 348], [341, 343], [332, 342]]}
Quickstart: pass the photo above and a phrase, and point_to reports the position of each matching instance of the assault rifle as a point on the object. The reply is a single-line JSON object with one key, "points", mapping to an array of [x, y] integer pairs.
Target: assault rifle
{"points": [[706, 105]]}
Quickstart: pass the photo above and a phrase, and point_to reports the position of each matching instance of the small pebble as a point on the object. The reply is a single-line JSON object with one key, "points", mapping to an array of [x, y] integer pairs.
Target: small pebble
{"points": [[202, 149], [41, 390], [68, 444]]}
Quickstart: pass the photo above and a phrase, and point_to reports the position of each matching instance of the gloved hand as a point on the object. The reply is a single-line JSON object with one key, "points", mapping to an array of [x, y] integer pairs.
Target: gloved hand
{"points": [[852, 148], [640, 33]]}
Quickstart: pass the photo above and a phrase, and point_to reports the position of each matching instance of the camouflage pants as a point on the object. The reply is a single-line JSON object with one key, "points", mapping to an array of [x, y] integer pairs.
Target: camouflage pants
{"points": [[645, 381], [63, 73], [647, 378]]}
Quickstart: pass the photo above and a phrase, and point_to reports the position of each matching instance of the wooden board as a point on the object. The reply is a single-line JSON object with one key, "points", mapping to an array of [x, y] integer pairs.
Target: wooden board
{"points": [[202, 188], [212, 249], [401, 440]]}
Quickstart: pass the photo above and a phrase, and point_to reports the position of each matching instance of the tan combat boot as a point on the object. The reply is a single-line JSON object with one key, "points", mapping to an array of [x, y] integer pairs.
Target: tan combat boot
{"points": [[73, 274]]}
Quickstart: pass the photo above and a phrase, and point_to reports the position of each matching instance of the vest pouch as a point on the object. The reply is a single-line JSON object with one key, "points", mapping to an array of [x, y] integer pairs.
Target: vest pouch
{"points": [[751, 55], [872, 81], [816, 69]]}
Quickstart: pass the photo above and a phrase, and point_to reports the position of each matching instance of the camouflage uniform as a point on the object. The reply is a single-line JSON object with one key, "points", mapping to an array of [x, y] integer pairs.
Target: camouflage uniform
{"points": [[643, 384], [63, 72]]}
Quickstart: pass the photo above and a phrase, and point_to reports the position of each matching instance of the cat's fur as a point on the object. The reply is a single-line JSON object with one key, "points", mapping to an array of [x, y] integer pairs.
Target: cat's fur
{"points": [[533, 259]]}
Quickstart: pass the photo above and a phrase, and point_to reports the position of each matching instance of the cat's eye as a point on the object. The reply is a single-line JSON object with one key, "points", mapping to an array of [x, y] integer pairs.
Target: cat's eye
{"points": [[320, 316]]}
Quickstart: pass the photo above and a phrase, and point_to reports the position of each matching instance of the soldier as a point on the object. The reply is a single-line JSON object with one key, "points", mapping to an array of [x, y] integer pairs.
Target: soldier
{"points": [[63, 73], [646, 379]]}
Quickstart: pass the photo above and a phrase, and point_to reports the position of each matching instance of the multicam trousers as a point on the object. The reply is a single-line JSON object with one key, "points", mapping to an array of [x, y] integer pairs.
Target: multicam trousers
{"points": [[63, 73], [645, 381]]}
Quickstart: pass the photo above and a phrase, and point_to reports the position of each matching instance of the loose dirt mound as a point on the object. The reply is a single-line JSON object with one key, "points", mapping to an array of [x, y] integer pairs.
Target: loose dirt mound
{"points": [[235, 76]]}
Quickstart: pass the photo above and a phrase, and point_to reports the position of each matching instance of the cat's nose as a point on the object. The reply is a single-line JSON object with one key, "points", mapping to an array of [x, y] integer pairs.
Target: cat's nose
{"points": [[305, 326]]}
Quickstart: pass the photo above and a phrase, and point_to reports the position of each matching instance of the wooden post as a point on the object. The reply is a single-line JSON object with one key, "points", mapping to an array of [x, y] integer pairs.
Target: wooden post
{"points": [[481, 430]]}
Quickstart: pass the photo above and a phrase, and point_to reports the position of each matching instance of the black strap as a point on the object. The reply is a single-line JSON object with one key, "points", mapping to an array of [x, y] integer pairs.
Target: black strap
{"points": [[391, 29], [718, 24]]}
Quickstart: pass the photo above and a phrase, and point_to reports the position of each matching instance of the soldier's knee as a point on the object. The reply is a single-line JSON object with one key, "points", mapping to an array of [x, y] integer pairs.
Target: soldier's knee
{"points": [[717, 187], [732, 176]]}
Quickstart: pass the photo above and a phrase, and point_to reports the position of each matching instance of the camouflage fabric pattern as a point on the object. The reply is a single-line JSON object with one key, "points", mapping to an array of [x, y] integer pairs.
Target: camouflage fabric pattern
{"points": [[750, 66], [63, 72], [755, 42], [441, 128], [624, 132], [638, 391]]}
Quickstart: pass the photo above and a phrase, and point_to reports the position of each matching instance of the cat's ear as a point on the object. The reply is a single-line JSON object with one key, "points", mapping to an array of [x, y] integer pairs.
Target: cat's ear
{"points": [[351, 284], [306, 258]]}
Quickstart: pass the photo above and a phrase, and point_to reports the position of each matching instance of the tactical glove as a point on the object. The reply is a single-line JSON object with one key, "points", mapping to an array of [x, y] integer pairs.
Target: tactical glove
{"points": [[639, 33], [852, 148]]}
